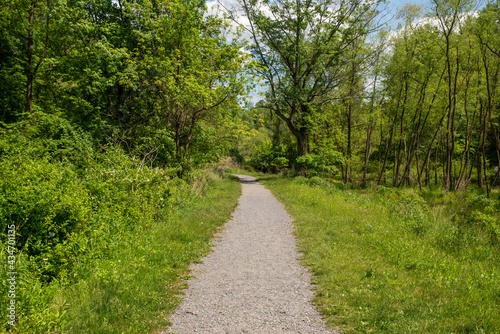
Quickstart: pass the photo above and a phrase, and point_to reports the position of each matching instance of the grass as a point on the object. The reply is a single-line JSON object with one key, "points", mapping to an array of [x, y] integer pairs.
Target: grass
{"points": [[139, 286], [105, 248], [397, 261]]}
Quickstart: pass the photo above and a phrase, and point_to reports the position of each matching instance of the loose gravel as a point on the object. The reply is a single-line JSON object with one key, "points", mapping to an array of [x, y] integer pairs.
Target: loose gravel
{"points": [[252, 282]]}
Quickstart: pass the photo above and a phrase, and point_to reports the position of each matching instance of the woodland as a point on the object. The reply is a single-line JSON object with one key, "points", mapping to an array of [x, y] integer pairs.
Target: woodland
{"points": [[120, 118]]}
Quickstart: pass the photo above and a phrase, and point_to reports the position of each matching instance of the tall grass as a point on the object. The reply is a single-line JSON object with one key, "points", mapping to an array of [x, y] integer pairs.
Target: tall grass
{"points": [[398, 261]]}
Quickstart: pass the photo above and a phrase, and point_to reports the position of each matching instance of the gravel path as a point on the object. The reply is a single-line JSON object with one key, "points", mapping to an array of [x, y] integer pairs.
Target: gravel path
{"points": [[252, 282]]}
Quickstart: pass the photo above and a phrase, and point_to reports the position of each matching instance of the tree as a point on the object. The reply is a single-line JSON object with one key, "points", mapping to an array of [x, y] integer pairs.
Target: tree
{"points": [[299, 46], [37, 31], [487, 32], [449, 13], [185, 75]]}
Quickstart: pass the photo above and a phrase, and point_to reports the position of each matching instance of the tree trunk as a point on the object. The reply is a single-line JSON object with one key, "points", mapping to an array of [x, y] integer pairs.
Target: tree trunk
{"points": [[479, 171], [389, 140], [436, 168], [368, 149], [428, 171], [302, 142], [300, 134], [29, 55], [349, 143], [402, 140]]}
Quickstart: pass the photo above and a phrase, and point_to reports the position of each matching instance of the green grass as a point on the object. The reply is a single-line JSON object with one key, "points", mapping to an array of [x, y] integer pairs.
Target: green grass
{"points": [[397, 261], [133, 279], [136, 290]]}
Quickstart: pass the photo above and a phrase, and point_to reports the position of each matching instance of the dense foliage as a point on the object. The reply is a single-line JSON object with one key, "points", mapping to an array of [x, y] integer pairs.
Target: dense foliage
{"points": [[109, 113], [156, 78], [415, 106], [93, 224]]}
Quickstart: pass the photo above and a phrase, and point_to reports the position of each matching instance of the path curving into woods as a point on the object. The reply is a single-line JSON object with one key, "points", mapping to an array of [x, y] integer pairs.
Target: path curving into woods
{"points": [[252, 282]]}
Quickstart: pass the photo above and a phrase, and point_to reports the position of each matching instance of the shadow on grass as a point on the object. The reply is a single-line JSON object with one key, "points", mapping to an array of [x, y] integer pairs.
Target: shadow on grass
{"points": [[267, 177]]}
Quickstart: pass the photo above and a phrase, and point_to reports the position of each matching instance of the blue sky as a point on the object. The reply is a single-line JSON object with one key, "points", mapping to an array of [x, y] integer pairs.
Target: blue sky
{"points": [[394, 5]]}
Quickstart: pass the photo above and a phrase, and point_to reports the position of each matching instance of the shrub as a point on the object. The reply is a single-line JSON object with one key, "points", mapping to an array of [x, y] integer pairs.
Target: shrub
{"points": [[280, 162], [50, 208], [269, 158], [481, 213], [60, 140], [301, 180], [413, 211], [313, 181], [237, 156], [316, 181], [317, 164]]}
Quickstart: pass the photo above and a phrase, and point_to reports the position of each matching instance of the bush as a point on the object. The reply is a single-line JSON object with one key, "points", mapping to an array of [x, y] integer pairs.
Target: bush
{"points": [[59, 140], [316, 181], [50, 208], [279, 163], [268, 158], [413, 211], [201, 179], [290, 173], [317, 164], [69, 221], [301, 180], [237, 156], [313, 181], [481, 213]]}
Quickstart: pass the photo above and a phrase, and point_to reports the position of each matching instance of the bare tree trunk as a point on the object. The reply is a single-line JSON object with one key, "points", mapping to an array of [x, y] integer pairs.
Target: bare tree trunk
{"points": [[436, 168], [449, 154], [453, 128], [349, 143], [428, 171], [464, 160], [487, 120], [447, 28], [480, 163], [422, 128], [397, 162]]}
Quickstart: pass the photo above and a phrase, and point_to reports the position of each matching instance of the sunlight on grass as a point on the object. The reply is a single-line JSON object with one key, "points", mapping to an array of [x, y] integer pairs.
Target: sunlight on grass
{"points": [[388, 261], [136, 289]]}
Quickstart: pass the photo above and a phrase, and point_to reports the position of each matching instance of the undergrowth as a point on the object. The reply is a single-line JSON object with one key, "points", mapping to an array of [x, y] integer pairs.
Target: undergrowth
{"points": [[102, 240]]}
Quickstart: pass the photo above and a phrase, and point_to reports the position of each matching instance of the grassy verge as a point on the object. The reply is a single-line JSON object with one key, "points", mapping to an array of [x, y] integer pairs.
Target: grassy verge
{"points": [[398, 261], [136, 289], [105, 251]]}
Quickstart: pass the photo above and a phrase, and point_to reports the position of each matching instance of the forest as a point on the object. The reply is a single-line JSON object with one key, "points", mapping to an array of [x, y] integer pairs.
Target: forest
{"points": [[414, 106], [122, 120]]}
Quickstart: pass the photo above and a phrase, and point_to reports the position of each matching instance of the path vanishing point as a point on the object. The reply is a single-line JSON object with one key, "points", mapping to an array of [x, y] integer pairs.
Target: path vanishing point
{"points": [[252, 282]]}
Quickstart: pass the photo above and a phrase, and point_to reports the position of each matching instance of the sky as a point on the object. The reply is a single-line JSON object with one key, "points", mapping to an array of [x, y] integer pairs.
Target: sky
{"points": [[391, 7], [394, 5]]}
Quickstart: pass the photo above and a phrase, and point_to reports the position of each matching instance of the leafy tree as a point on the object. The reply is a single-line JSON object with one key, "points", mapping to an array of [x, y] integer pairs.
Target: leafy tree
{"points": [[448, 13], [300, 47], [38, 33], [184, 76], [487, 32]]}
